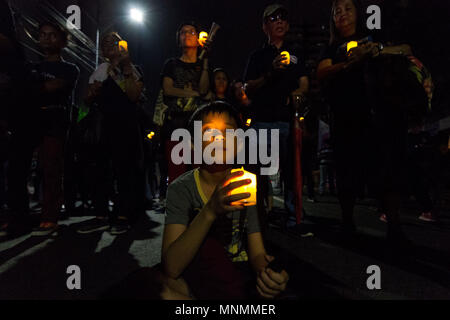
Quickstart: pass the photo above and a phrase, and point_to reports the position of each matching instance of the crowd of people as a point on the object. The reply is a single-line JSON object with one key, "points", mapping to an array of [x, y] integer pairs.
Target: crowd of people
{"points": [[373, 128]]}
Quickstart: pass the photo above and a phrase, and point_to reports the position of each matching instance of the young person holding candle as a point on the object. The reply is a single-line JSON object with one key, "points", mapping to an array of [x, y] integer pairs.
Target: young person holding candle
{"points": [[204, 242]]}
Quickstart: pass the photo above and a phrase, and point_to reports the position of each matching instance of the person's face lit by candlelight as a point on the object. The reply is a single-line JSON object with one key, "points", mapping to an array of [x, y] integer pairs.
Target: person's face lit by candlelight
{"points": [[220, 84], [214, 129], [345, 17], [188, 37]]}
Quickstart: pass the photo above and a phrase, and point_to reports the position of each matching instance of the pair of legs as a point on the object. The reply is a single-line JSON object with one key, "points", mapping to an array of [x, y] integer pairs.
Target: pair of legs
{"points": [[119, 154], [210, 276], [326, 176], [48, 133]]}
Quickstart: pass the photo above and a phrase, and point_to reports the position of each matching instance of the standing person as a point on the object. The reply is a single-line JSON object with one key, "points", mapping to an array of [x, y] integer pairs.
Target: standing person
{"points": [[116, 88], [273, 85], [357, 118], [52, 85], [185, 84], [12, 76]]}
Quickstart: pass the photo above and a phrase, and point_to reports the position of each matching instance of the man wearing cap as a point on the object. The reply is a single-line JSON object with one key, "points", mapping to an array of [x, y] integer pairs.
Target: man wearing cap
{"points": [[273, 83]]}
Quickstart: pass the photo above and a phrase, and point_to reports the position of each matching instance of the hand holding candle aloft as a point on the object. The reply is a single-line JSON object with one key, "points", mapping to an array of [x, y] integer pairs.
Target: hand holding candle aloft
{"points": [[208, 41], [221, 200], [202, 37]]}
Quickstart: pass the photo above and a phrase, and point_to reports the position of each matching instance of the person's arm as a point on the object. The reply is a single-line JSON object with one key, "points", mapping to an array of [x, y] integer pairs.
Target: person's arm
{"points": [[171, 91], [403, 49], [303, 87], [133, 86], [327, 69], [181, 243], [256, 251], [269, 283], [203, 85], [277, 65]]}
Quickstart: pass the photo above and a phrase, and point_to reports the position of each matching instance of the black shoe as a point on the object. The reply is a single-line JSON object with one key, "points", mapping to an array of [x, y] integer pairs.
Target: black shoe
{"points": [[94, 225], [119, 227]]}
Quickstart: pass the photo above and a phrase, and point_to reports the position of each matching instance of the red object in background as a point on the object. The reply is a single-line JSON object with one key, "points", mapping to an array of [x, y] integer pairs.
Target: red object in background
{"points": [[298, 181]]}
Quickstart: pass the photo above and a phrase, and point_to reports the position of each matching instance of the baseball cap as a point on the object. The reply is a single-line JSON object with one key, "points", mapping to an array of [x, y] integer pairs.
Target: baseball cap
{"points": [[271, 9]]}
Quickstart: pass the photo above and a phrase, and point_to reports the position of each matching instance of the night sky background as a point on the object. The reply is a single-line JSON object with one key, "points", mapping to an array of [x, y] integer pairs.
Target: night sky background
{"points": [[423, 24]]}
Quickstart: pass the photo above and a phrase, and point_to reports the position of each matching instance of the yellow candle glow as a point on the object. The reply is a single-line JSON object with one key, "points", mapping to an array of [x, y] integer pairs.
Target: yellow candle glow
{"points": [[202, 37], [150, 135], [251, 188], [286, 61], [123, 44], [248, 123], [351, 44]]}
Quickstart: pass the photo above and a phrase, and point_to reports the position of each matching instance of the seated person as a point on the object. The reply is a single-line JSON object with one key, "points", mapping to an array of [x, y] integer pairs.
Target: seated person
{"points": [[213, 249]]}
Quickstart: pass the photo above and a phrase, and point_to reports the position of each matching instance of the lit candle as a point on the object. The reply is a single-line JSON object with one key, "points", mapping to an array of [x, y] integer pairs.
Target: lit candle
{"points": [[286, 61], [150, 135], [251, 188], [351, 44], [248, 122], [123, 44], [202, 37]]}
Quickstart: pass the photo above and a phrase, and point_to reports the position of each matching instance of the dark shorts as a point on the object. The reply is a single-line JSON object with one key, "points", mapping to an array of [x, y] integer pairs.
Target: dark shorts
{"points": [[213, 276]]}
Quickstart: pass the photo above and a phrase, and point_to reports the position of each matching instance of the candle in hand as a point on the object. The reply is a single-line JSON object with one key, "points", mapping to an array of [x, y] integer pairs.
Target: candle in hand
{"points": [[287, 59], [123, 44], [202, 37], [250, 188], [351, 45]]}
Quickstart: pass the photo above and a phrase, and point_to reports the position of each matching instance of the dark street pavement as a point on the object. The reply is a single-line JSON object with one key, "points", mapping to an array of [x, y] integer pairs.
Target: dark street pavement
{"points": [[324, 266]]}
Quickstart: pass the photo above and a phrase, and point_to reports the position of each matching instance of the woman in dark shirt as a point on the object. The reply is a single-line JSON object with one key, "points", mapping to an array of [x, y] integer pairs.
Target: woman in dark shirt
{"points": [[357, 154]]}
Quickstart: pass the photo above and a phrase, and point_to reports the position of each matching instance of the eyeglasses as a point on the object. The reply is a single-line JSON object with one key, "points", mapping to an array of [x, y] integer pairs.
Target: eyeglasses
{"points": [[279, 16], [188, 32]]}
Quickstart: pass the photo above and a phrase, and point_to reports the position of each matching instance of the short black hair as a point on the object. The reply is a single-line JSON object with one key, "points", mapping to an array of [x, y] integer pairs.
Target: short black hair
{"points": [[215, 107], [62, 31], [186, 23], [213, 75]]}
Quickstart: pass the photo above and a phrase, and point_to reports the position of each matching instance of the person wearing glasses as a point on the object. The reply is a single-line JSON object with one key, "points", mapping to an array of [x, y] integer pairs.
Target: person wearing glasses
{"points": [[273, 85], [185, 85]]}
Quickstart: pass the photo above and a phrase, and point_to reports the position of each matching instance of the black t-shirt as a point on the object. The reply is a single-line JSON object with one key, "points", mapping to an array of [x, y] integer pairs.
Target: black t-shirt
{"points": [[271, 102], [183, 74], [347, 92], [49, 70]]}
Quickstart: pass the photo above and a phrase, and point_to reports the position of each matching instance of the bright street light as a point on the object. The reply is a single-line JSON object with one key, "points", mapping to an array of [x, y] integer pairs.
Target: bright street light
{"points": [[137, 15]]}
